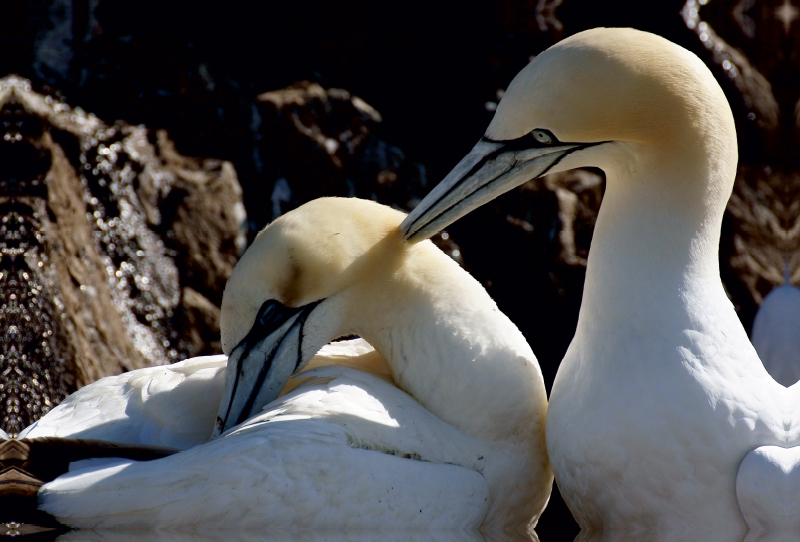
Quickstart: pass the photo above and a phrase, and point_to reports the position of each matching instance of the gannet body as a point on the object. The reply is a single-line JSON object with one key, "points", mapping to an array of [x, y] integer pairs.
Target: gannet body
{"points": [[448, 433], [660, 395], [776, 334]]}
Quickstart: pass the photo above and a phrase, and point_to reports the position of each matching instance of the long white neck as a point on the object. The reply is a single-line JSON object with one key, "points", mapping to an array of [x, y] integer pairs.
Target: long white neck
{"points": [[451, 348], [654, 257]]}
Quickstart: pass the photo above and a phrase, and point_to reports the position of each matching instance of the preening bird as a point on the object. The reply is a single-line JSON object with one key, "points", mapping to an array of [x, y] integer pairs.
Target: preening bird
{"points": [[443, 427], [660, 395]]}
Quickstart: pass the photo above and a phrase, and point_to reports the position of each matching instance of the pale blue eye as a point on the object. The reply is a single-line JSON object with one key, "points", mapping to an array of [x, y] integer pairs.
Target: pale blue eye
{"points": [[542, 136]]}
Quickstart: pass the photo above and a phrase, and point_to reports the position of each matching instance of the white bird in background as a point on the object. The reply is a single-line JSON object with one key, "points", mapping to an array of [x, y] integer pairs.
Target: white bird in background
{"points": [[776, 334], [660, 395], [447, 432]]}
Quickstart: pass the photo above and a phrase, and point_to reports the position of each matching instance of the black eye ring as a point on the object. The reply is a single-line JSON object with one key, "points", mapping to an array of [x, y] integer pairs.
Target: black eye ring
{"points": [[543, 137]]}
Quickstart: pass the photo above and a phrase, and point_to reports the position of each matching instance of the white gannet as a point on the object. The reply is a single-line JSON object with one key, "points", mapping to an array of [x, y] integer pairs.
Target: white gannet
{"points": [[459, 440], [776, 333], [660, 395]]}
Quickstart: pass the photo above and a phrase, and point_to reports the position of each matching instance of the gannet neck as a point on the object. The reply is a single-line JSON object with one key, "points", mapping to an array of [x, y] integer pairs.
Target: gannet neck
{"points": [[336, 267], [657, 234], [450, 347], [658, 229]]}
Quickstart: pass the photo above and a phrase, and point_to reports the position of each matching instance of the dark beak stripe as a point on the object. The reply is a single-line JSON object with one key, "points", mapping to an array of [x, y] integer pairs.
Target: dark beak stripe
{"points": [[265, 367], [510, 147]]}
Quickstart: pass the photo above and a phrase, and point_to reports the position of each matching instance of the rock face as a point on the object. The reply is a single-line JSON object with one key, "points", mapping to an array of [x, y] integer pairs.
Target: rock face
{"points": [[94, 218]]}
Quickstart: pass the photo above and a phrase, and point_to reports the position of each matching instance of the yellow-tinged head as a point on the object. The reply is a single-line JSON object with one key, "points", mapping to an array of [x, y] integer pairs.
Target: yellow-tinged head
{"points": [[324, 270], [307, 255], [629, 102], [611, 84]]}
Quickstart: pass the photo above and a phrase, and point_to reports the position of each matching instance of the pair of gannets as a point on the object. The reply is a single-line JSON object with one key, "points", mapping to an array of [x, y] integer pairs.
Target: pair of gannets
{"points": [[660, 403]]}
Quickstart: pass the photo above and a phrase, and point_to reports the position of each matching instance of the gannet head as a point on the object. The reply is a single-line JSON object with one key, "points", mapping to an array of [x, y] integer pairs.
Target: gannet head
{"points": [[298, 273], [605, 97]]}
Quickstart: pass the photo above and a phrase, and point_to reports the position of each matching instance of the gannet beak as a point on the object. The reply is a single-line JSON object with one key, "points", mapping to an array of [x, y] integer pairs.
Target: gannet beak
{"points": [[490, 169], [262, 363]]}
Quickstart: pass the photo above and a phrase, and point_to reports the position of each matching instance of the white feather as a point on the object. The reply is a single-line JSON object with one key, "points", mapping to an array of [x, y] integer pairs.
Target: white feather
{"points": [[169, 405]]}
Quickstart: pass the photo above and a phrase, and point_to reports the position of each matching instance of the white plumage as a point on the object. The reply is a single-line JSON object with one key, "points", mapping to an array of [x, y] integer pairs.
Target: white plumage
{"points": [[169, 405], [768, 489], [311, 454]]}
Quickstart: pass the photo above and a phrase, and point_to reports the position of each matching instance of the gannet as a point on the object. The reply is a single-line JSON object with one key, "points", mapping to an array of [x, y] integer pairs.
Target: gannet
{"points": [[451, 435], [660, 395], [776, 334]]}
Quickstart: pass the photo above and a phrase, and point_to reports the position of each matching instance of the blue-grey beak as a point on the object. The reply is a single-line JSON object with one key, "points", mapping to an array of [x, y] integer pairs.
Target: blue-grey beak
{"points": [[262, 363], [490, 169]]}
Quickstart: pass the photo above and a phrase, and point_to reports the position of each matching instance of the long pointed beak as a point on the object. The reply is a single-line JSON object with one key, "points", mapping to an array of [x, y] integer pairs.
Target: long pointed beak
{"points": [[259, 367], [490, 169]]}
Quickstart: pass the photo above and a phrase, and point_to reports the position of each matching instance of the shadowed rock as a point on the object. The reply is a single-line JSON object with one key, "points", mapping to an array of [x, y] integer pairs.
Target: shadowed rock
{"points": [[94, 218]]}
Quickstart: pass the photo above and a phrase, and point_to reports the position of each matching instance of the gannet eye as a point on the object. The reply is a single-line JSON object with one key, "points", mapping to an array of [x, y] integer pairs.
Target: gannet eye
{"points": [[543, 136], [271, 314]]}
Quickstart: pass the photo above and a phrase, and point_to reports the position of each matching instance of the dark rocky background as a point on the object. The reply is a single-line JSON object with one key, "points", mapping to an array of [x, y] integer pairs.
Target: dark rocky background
{"points": [[302, 99]]}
